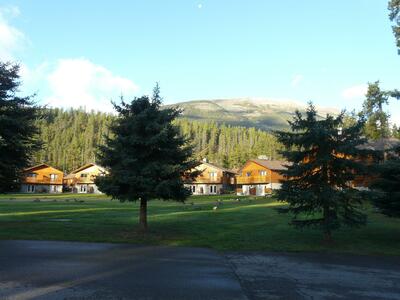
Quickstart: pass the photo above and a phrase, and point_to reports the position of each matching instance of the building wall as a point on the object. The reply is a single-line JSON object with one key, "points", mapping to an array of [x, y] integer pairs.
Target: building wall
{"points": [[85, 185], [251, 174], [86, 188], [204, 177], [223, 181], [43, 176], [205, 189], [258, 189], [41, 188]]}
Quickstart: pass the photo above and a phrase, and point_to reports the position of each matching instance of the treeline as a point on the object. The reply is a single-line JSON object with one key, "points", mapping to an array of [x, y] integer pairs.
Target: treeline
{"points": [[70, 139]]}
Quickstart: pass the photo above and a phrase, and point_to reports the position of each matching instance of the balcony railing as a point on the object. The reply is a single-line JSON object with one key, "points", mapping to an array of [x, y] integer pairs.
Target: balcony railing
{"points": [[253, 179], [42, 180], [208, 180]]}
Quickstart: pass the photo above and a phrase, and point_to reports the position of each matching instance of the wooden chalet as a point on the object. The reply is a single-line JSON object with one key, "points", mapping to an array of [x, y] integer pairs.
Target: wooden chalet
{"points": [[213, 180], [259, 177], [82, 179], [382, 149], [42, 179]]}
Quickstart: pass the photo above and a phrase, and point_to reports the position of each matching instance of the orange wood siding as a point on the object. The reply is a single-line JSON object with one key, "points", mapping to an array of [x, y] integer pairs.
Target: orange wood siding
{"points": [[90, 174], [220, 178], [254, 170], [43, 176]]}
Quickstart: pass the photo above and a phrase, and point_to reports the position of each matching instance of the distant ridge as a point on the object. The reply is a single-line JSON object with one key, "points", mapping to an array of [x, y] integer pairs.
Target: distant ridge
{"points": [[261, 113]]}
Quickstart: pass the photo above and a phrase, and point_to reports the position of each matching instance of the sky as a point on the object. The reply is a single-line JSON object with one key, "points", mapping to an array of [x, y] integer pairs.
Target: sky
{"points": [[86, 53]]}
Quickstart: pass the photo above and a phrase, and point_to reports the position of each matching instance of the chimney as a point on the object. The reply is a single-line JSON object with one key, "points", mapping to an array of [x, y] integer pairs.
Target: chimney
{"points": [[263, 157]]}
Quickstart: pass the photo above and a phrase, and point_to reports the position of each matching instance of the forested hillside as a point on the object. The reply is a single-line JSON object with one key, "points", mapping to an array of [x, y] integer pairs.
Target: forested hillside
{"points": [[70, 139]]}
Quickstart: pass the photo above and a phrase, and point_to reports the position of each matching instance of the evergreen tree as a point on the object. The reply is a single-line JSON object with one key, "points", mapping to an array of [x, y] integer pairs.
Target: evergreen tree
{"points": [[377, 120], [17, 128], [71, 136], [387, 186], [395, 132], [394, 16], [318, 186], [147, 158]]}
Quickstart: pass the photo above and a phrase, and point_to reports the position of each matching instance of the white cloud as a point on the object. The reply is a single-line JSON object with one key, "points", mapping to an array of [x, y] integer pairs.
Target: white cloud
{"points": [[296, 80], [81, 83], [355, 92], [12, 40]]}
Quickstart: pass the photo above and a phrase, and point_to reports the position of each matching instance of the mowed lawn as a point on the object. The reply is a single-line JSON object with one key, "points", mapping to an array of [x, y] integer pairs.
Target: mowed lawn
{"points": [[248, 224]]}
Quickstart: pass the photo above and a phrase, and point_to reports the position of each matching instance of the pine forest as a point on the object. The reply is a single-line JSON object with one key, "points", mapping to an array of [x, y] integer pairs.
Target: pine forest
{"points": [[70, 139]]}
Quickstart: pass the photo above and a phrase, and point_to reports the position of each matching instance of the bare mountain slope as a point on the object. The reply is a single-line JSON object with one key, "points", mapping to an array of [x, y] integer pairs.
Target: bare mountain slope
{"points": [[250, 112]]}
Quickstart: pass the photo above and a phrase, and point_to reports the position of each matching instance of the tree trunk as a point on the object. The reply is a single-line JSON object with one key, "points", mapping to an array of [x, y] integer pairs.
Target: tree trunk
{"points": [[327, 230], [143, 215]]}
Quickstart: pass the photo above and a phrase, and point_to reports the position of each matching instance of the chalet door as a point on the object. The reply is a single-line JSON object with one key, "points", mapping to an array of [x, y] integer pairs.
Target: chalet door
{"points": [[83, 188], [253, 190]]}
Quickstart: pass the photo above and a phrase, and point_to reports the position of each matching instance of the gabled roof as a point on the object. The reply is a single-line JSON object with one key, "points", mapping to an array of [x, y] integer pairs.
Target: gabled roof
{"points": [[89, 165], [275, 165], [40, 166], [217, 167], [382, 144], [69, 176]]}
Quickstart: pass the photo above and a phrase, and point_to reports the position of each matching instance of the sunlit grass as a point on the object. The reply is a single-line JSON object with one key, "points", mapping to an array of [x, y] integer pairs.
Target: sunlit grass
{"points": [[248, 224]]}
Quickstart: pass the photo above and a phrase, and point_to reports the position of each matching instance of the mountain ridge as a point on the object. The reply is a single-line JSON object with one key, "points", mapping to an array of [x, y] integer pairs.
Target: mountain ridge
{"points": [[262, 113]]}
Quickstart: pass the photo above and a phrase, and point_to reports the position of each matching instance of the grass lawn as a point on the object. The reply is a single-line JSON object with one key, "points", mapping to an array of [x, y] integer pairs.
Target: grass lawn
{"points": [[248, 224]]}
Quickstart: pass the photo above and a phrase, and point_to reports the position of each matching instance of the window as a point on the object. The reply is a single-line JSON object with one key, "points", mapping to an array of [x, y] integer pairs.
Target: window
{"points": [[34, 175], [84, 175], [54, 188], [248, 174], [31, 188], [83, 188], [53, 177], [263, 173], [213, 175], [213, 189], [193, 189]]}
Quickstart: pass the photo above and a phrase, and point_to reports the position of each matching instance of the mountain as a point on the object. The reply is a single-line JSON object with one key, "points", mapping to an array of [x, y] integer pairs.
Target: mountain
{"points": [[249, 112]]}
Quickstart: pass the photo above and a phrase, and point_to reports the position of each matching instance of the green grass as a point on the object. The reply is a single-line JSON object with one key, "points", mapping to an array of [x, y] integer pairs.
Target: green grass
{"points": [[251, 224]]}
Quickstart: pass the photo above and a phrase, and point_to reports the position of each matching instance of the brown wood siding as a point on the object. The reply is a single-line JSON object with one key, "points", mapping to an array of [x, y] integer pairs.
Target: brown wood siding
{"points": [[42, 176], [91, 173], [255, 177], [220, 178]]}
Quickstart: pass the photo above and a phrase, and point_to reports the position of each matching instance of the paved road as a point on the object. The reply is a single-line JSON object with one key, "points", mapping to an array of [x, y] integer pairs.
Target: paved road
{"points": [[69, 270], [317, 276]]}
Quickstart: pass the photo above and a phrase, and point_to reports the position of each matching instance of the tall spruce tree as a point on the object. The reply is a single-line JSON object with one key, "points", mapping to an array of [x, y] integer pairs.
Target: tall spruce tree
{"points": [[387, 186], [18, 133], [394, 16], [320, 171], [377, 120], [147, 157]]}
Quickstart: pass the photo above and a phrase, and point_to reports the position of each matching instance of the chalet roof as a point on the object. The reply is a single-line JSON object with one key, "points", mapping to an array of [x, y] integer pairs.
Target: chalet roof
{"points": [[83, 168], [272, 164], [39, 166], [217, 167], [382, 144], [69, 176]]}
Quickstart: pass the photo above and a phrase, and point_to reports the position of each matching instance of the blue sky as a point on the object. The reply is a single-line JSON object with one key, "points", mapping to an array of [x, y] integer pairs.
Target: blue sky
{"points": [[84, 53]]}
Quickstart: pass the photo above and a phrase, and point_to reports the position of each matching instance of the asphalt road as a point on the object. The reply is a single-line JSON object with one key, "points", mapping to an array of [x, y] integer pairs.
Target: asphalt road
{"points": [[317, 276], [70, 270]]}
